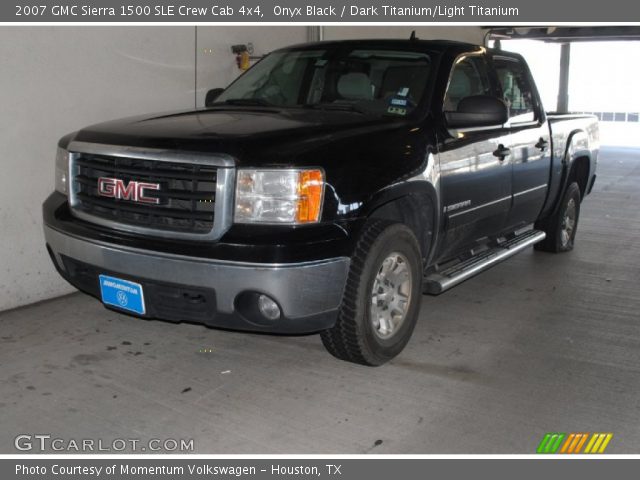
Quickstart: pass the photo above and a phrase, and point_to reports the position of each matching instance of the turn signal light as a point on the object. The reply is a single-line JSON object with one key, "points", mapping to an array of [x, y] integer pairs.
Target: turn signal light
{"points": [[310, 186]]}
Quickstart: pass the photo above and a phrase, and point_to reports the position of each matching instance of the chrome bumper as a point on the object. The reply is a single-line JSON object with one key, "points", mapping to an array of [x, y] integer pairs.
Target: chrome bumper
{"points": [[302, 290]]}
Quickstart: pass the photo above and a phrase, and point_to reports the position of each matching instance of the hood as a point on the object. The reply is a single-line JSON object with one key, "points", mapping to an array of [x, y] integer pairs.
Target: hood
{"points": [[251, 135]]}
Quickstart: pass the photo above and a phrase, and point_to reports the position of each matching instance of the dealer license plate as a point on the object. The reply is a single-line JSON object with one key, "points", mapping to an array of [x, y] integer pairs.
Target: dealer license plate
{"points": [[122, 294]]}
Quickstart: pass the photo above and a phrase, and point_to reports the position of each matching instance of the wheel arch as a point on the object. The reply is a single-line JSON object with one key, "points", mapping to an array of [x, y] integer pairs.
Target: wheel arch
{"points": [[578, 159], [413, 204], [579, 173]]}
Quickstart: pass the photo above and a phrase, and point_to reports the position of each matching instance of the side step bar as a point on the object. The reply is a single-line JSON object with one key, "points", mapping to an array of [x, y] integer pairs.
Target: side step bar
{"points": [[441, 281]]}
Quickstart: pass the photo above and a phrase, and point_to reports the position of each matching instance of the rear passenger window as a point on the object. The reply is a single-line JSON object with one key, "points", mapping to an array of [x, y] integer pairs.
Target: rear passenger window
{"points": [[468, 77], [516, 89]]}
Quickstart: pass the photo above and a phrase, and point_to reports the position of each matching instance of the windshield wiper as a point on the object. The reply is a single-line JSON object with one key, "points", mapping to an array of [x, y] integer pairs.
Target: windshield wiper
{"points": [[343, 107], [249, 102]]}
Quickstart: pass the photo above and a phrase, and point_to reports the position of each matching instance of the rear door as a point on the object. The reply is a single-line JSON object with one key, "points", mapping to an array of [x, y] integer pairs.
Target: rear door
{"points": [[475, 179], [530, 142]]}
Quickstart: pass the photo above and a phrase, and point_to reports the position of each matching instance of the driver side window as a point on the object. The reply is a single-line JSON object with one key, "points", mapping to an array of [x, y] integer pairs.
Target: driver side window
{"points": [[468, 77], [516, 90]]}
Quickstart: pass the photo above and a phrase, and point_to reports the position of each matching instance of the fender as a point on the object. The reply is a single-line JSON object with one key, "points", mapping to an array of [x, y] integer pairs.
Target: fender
{"points": [[417, 195], [577, 147]]}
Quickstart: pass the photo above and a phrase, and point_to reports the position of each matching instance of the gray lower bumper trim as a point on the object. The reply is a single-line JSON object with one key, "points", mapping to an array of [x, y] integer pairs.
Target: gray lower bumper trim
{"points": [[302, 289]]}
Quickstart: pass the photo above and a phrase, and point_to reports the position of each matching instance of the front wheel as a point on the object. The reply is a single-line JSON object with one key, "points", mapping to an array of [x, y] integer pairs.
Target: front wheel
{"points": [[381, 301], [561, 228]]}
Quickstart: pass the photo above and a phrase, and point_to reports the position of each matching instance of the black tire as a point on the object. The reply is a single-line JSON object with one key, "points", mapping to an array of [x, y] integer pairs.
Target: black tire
{"points": [[561, 228], [354, 337]]}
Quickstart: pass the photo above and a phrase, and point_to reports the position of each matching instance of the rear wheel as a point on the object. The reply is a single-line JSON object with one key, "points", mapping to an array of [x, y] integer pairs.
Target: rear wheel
{"points": [[561, 228], [382, 296]]}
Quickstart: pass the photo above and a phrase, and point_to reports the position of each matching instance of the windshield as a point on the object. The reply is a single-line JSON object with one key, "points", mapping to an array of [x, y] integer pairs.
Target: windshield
{"points": [[379, 82]]}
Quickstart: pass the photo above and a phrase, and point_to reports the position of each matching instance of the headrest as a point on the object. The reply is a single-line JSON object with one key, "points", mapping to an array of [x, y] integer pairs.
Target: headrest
{"points": [[459, 86], [355, 86]]}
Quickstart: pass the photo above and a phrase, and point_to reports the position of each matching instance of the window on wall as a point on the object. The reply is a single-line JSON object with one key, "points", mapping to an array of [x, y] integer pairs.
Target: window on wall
{"points": [[516, 89], [468, 77]]}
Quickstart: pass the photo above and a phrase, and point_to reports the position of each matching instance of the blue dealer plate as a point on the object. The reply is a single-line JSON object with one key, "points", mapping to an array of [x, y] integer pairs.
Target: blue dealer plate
{"points": [[122, 294]]}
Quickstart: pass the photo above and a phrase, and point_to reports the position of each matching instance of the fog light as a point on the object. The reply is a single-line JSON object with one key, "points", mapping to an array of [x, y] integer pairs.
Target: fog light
{"points": [[268, 307]]}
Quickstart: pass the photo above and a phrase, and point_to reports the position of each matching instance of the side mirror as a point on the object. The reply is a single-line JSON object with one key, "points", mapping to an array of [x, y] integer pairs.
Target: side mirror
{"points": [[478, 111], [212, 95]]}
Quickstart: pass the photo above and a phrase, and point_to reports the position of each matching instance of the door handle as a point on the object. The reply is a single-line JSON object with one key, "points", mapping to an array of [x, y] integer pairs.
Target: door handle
{"points": [[502, 152], [542, 144]]}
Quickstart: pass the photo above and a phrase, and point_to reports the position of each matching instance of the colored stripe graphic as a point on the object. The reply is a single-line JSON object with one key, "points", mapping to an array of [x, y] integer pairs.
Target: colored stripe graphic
{"points": [[550, 442], [568, 442], [573, 443], [598, 443]]}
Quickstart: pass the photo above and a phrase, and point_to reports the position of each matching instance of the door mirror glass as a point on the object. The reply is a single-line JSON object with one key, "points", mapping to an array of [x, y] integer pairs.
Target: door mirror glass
{"points": [[478, 111], [212, 95]]}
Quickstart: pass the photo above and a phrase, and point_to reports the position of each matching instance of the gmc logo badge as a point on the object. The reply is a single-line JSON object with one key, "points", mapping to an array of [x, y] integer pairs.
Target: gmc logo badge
{"points": [[133, 191]]}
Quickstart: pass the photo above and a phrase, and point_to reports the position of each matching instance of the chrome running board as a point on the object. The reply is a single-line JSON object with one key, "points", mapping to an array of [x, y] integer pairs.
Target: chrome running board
{"points": [[438, 282]]}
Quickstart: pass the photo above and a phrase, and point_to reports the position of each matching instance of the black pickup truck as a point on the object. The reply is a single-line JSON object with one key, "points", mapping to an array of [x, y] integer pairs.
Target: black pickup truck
{"points": [[325, 190]]}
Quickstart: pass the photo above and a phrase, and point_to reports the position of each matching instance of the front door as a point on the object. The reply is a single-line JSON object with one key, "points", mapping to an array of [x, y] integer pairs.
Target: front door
{"points": [[530, 142], [475, 176]]}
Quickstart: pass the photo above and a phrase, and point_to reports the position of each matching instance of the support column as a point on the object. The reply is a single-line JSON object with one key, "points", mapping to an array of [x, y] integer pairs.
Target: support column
{"points": [[563, 89], [315, 33]]}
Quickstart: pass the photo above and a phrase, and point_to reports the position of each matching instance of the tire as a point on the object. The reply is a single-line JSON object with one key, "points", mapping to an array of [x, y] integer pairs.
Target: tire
{"points": [[561, 228], [367, 333]]}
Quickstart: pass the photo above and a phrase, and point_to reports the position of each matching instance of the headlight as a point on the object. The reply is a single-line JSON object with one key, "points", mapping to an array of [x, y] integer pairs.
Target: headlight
{"points": [[279, 196], [62, 170]]}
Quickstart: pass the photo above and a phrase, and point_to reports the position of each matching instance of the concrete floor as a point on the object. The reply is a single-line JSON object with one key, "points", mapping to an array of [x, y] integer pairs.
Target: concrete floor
{"points": [[540, 343]]}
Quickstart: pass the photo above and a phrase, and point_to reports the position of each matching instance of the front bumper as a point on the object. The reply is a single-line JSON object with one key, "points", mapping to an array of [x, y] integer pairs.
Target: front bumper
{"points": [[214, 292]]}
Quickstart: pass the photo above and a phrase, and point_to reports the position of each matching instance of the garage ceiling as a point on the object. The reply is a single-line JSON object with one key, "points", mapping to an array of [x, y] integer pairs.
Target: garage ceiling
{"points": [[564, 34]]}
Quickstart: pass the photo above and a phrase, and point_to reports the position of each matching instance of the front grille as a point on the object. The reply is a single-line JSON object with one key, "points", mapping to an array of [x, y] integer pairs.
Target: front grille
{"points": [[186, 198]]}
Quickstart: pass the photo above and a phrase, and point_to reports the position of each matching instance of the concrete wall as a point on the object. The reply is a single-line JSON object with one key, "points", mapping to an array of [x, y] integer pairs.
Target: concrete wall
{"points": [[54, 80]]}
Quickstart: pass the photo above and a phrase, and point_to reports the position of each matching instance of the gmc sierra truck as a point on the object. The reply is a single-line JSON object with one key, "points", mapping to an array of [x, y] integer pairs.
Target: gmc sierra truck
{"points": [[325, 190]]}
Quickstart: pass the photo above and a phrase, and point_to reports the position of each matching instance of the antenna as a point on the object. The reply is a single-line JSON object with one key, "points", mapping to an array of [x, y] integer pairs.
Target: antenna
{"points": [[413, 36]]}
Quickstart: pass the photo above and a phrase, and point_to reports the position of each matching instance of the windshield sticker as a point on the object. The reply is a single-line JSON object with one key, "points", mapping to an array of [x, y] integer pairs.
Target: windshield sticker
{"points": [[397, 110], [321, 62], [403, 92]]}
